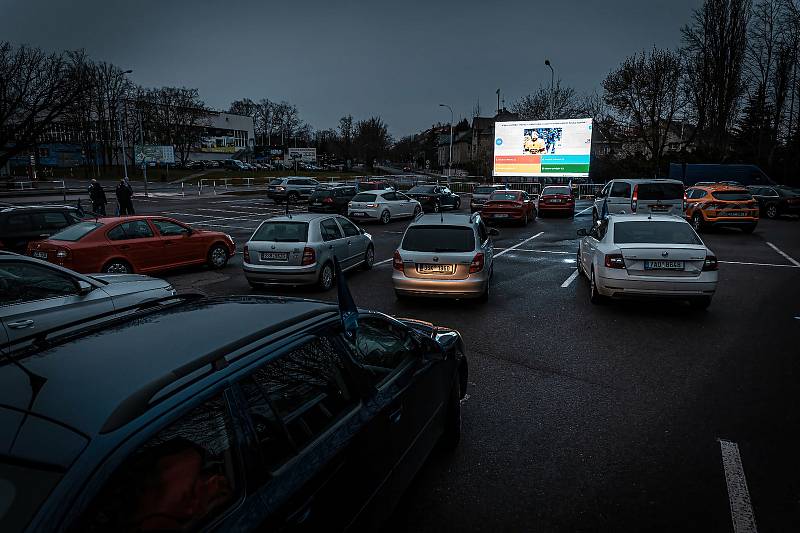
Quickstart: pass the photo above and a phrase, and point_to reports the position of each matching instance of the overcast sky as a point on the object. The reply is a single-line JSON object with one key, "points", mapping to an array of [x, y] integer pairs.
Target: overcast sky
{"points": [[395, 59]]}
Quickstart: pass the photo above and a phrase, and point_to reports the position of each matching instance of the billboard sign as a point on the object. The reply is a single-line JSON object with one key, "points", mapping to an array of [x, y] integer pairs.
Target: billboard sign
{"points": [[536, 148], [306, 155], [154, 154]]}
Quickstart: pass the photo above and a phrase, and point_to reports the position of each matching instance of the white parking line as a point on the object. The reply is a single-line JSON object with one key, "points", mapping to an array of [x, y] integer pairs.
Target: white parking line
{"points": [[757, 264], [519, 244], [785, 255], [570, 279], [744, 521], [585, 210], [382, 262]]}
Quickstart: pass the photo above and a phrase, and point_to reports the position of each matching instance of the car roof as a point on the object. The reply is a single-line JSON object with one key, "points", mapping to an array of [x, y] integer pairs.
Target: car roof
{"points": [[96, 380], [639, 218], [649, 180], [10, 208], [720, 187], [448, 219], [300, 217]]}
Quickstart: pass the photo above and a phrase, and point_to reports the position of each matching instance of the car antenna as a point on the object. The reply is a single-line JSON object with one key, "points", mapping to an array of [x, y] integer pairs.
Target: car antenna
{"points": [[348, 312]]}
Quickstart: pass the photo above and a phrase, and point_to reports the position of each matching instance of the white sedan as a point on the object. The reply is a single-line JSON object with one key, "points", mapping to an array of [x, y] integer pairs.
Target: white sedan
{"points": [[660, 255], [383, 205]]}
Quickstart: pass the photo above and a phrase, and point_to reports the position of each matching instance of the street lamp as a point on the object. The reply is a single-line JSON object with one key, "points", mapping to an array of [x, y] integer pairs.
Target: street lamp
{"points": [[450, 160], [552, 92]]}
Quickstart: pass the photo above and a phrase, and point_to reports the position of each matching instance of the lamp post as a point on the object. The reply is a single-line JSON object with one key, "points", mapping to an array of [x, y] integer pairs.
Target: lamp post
{"points": [[552, 91], [450, 160], [122, 134]]}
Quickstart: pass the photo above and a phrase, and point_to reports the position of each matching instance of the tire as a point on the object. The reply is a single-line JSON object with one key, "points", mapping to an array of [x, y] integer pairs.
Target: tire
{"points": [[697, 222], [594, 296], [458, 204], [325, 282], [700, 303], [452, 424], [534, 214], [293, 197], [117, 266], [254, 285], [369, 258], [580, 264], [772, 211], [484, 297], [525, 219], [749, 229], [218, 256], [417, 211], [386, 217]]}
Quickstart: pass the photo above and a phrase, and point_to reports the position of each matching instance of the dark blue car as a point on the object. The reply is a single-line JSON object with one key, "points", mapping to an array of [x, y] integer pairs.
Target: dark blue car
{"points": [[240, 413]]}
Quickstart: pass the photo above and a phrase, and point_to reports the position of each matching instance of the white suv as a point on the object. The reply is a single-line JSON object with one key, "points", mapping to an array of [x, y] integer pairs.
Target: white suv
{"points": [[641, 197]]}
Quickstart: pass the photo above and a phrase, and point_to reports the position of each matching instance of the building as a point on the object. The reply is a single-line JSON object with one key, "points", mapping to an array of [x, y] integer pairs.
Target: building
{"points": [[225, 136]]}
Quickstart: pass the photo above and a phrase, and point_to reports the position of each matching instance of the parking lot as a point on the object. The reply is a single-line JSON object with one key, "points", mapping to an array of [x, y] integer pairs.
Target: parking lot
{"points": [[582, 417]]}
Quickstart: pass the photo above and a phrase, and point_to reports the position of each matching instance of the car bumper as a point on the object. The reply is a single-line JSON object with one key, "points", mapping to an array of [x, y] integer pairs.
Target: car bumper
{"points": [[738, 221], [621, 285], [565, 208], [472, 287], [322, 209], [501, 217], [282, 275]]}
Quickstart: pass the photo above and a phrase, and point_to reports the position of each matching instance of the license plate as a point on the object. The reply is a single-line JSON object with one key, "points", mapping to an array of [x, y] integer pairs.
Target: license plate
{"points": [[663, 265], [555, 201], [500, 215], [316, 203], [659, 208], [274, 256], [40, 255], [437, 269], [733, 214], [358, 214]]}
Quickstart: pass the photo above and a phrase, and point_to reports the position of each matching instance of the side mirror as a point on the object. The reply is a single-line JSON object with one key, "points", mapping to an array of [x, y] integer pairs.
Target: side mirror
{"points": [[582, 232], [84, 288], [188, 232], [494, 232]]}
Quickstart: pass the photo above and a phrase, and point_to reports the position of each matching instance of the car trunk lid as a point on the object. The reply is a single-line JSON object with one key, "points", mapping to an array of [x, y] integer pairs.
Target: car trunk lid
{"points": [[673, 260]]}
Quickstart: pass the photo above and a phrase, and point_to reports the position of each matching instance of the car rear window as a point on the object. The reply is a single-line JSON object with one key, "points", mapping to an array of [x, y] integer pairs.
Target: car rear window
{"points": [[423, 189], [75, 232], [484, 190], [504, 196], [364, 197], [23, 489], [556, 190], [276, 181], [660, 191], [322, 193], [439, 239], [732, 195], [282, 232], [656, 232]]}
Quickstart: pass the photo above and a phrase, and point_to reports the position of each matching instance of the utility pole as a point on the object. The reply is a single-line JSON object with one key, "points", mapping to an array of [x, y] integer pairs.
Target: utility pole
{"points": [[122, 133], [144, 159], [498, 101], [450, 160], [552, 90]]}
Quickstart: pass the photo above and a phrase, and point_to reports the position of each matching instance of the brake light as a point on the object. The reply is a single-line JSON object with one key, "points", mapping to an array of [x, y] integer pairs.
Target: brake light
{"points": [[634, 204], [62, 253], [327, 200], [245, 255], [371, 206], [710, 264], [685, 201], [280, 188], [397, 262], [615, 261], [477, 263], [309, 256]]}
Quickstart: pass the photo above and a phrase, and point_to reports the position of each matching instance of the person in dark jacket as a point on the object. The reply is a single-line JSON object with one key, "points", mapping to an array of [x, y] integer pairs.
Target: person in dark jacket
{"points": [[98, 198], [125, 197]]}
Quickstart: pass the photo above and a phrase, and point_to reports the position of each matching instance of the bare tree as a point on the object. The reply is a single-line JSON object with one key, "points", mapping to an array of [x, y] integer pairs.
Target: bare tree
{"points": [[644, 91], [536, 105], [175, 116]]}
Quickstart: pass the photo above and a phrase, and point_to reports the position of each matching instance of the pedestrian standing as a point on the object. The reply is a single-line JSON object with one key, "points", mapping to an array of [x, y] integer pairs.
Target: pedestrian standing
{"points": [[125, 197], [98, 198]]}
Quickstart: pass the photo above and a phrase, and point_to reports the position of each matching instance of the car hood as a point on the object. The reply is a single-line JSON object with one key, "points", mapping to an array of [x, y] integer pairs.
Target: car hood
{"points": [[125, 278]]}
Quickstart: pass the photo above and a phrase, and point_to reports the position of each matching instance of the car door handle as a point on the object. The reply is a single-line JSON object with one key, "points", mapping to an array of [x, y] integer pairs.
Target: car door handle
{"points": [[396, 415], [21, 324]]}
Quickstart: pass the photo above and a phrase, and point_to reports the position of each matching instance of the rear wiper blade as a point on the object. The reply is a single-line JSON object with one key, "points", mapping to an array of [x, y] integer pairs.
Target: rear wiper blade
{"points": [[440, 250]]}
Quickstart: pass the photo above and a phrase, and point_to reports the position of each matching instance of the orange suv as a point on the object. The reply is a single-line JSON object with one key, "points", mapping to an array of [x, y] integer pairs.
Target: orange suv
{"points": [[721, 205]]}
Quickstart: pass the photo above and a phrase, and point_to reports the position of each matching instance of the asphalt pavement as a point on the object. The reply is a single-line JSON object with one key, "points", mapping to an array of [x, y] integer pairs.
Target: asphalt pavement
{"points": [[618, 417]]}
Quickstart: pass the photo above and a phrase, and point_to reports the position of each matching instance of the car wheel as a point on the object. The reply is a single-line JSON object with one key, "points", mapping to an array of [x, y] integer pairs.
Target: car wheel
{"points": [[484, 297], [218, 256], [417, 211], [452, 424], [117, 266], [594, 295], [700, 303], [458, 204], [254, 285], [579, 263], [697, 222], [293, 197], [386, 217], [749, 229], [326, 277], [524, 219], [772, 211], [369, 258]]}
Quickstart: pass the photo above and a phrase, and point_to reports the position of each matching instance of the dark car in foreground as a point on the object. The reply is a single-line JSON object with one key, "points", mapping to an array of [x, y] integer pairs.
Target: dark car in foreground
{"points": [[277, 421], [435, 197], [778, 200], [331, 199], [20, 225]]}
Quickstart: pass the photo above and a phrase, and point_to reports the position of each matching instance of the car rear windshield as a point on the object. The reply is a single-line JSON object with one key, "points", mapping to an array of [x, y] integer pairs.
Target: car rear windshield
{"points": [[505, 196], [439, 239], [282, 232], [655, 232], [23, 489], [322, 193], [364, 197], [484, 190], [660, 191], [732, 195], [556, 190], [423, 189], [276, 181], [75, 232]]}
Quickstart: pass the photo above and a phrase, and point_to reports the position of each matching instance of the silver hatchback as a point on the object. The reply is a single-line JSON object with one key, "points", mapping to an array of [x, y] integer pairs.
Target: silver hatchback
{"points": [[299, 250], [448, 256]]}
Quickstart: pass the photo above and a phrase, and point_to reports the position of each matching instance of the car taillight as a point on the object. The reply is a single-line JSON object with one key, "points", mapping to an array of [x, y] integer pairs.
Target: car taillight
{"points": [[615, 261], [477, 263], [246, 255], [710, 263], [280, 188], [309, 256], [371, 206], [634, 204], [685, 202], [327, 200], [62, 253], [397, 262]]}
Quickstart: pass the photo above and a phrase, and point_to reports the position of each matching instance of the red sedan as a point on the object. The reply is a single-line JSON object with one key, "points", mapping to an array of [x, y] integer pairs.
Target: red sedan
{"points": [[142, 244], [557, 199], [506, 206]]}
